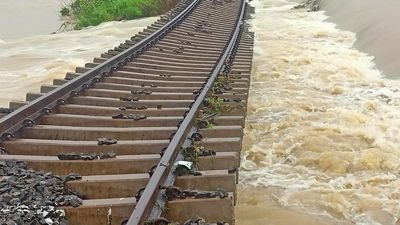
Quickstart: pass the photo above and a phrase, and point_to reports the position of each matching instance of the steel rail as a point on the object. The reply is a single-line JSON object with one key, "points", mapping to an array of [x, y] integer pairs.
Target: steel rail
{"points": [[26, 115], [152, 191]]}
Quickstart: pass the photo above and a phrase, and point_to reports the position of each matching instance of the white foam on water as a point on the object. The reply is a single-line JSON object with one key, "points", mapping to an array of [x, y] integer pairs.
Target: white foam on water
{"points": [[27, 63], [321, 143]]}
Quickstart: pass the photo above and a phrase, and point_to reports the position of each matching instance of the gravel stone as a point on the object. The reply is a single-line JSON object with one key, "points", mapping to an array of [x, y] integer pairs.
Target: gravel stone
{"points": [[106, 141], [29, 197], [86, 156], [3, 151], [6, 110]]}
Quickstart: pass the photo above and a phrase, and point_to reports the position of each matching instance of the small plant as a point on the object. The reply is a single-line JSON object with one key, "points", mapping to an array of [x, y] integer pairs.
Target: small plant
{"points": [[65, 11], [221, 79], [192, 154], [205, 119], [196, 150], [213, 104], [210, 124]]}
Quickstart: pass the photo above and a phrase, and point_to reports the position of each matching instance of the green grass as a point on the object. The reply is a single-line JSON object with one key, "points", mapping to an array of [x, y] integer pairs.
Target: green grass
{"points": [[93, 12]]}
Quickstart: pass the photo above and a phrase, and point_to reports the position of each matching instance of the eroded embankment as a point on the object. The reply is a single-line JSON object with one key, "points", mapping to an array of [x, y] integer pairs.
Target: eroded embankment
{"points": [[83, 13]]}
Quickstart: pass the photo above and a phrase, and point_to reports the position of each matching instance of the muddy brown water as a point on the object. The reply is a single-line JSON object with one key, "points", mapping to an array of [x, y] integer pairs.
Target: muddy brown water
{"points": [[322, 133], [28, 62], [376, 24], [24, 18]]}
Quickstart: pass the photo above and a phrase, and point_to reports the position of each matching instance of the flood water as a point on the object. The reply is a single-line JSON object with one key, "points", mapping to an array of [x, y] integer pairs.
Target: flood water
{"points": [[376, 24], [322, 137], [28, 61], [24, 18], [322, 133]]}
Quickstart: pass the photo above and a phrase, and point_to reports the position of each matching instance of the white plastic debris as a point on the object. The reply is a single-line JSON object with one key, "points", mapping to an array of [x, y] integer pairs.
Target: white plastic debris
{"points": [[48, 221], [186, 164]]}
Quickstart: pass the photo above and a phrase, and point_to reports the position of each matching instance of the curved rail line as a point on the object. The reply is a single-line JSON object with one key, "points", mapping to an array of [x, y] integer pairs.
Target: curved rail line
{"points": [[146, 96]]}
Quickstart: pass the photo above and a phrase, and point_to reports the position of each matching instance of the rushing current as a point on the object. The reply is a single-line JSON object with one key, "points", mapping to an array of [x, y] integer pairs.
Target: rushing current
{"points": [[26, 63], [322, 137], [321, 144], [377, 27]]}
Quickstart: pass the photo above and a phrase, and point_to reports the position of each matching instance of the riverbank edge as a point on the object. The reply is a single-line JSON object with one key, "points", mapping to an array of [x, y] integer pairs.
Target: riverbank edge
{"points": [[77, 16]]}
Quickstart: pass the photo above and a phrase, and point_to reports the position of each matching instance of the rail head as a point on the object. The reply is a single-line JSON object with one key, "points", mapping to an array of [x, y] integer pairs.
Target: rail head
{"points": [[26, 115], [150, 194]]}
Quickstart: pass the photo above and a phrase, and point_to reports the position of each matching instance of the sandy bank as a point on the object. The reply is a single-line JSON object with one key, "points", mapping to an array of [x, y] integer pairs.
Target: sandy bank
{"points": [[376, 24]]}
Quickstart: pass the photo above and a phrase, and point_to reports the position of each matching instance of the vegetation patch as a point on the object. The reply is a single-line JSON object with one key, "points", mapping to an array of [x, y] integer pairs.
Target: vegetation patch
{"points": [[84, 13]]}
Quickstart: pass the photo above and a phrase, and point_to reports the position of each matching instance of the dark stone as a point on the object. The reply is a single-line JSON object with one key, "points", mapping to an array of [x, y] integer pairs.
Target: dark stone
{"points": [[6, 198], [3, 151], [19, 221], [11, 222], [59, 199], [137, 92], [140, 107], [16, 194], [46, 193], [6, 110], [72, 176], [29, 181], [3, 164], [201, 124], [108, 155], [50, 182], [129, 116], [207, 152], [74, 201], [129, 99], [118, 116], [106, 141], [14, 201], [11, 163], [5, 189], [29, 216], [203, 194], [85, 156], [233, 170], [77, 156], [222, 193], [39, 188]]}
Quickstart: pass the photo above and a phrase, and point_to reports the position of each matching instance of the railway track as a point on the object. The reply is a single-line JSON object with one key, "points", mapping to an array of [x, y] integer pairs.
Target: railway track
{"points": [[166, 108]]}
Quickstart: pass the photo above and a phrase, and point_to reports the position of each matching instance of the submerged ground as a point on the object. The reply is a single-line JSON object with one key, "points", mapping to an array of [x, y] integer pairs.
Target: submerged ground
{"points": [[322, 134], [31, 56], [24, 18], [376, 24]]}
